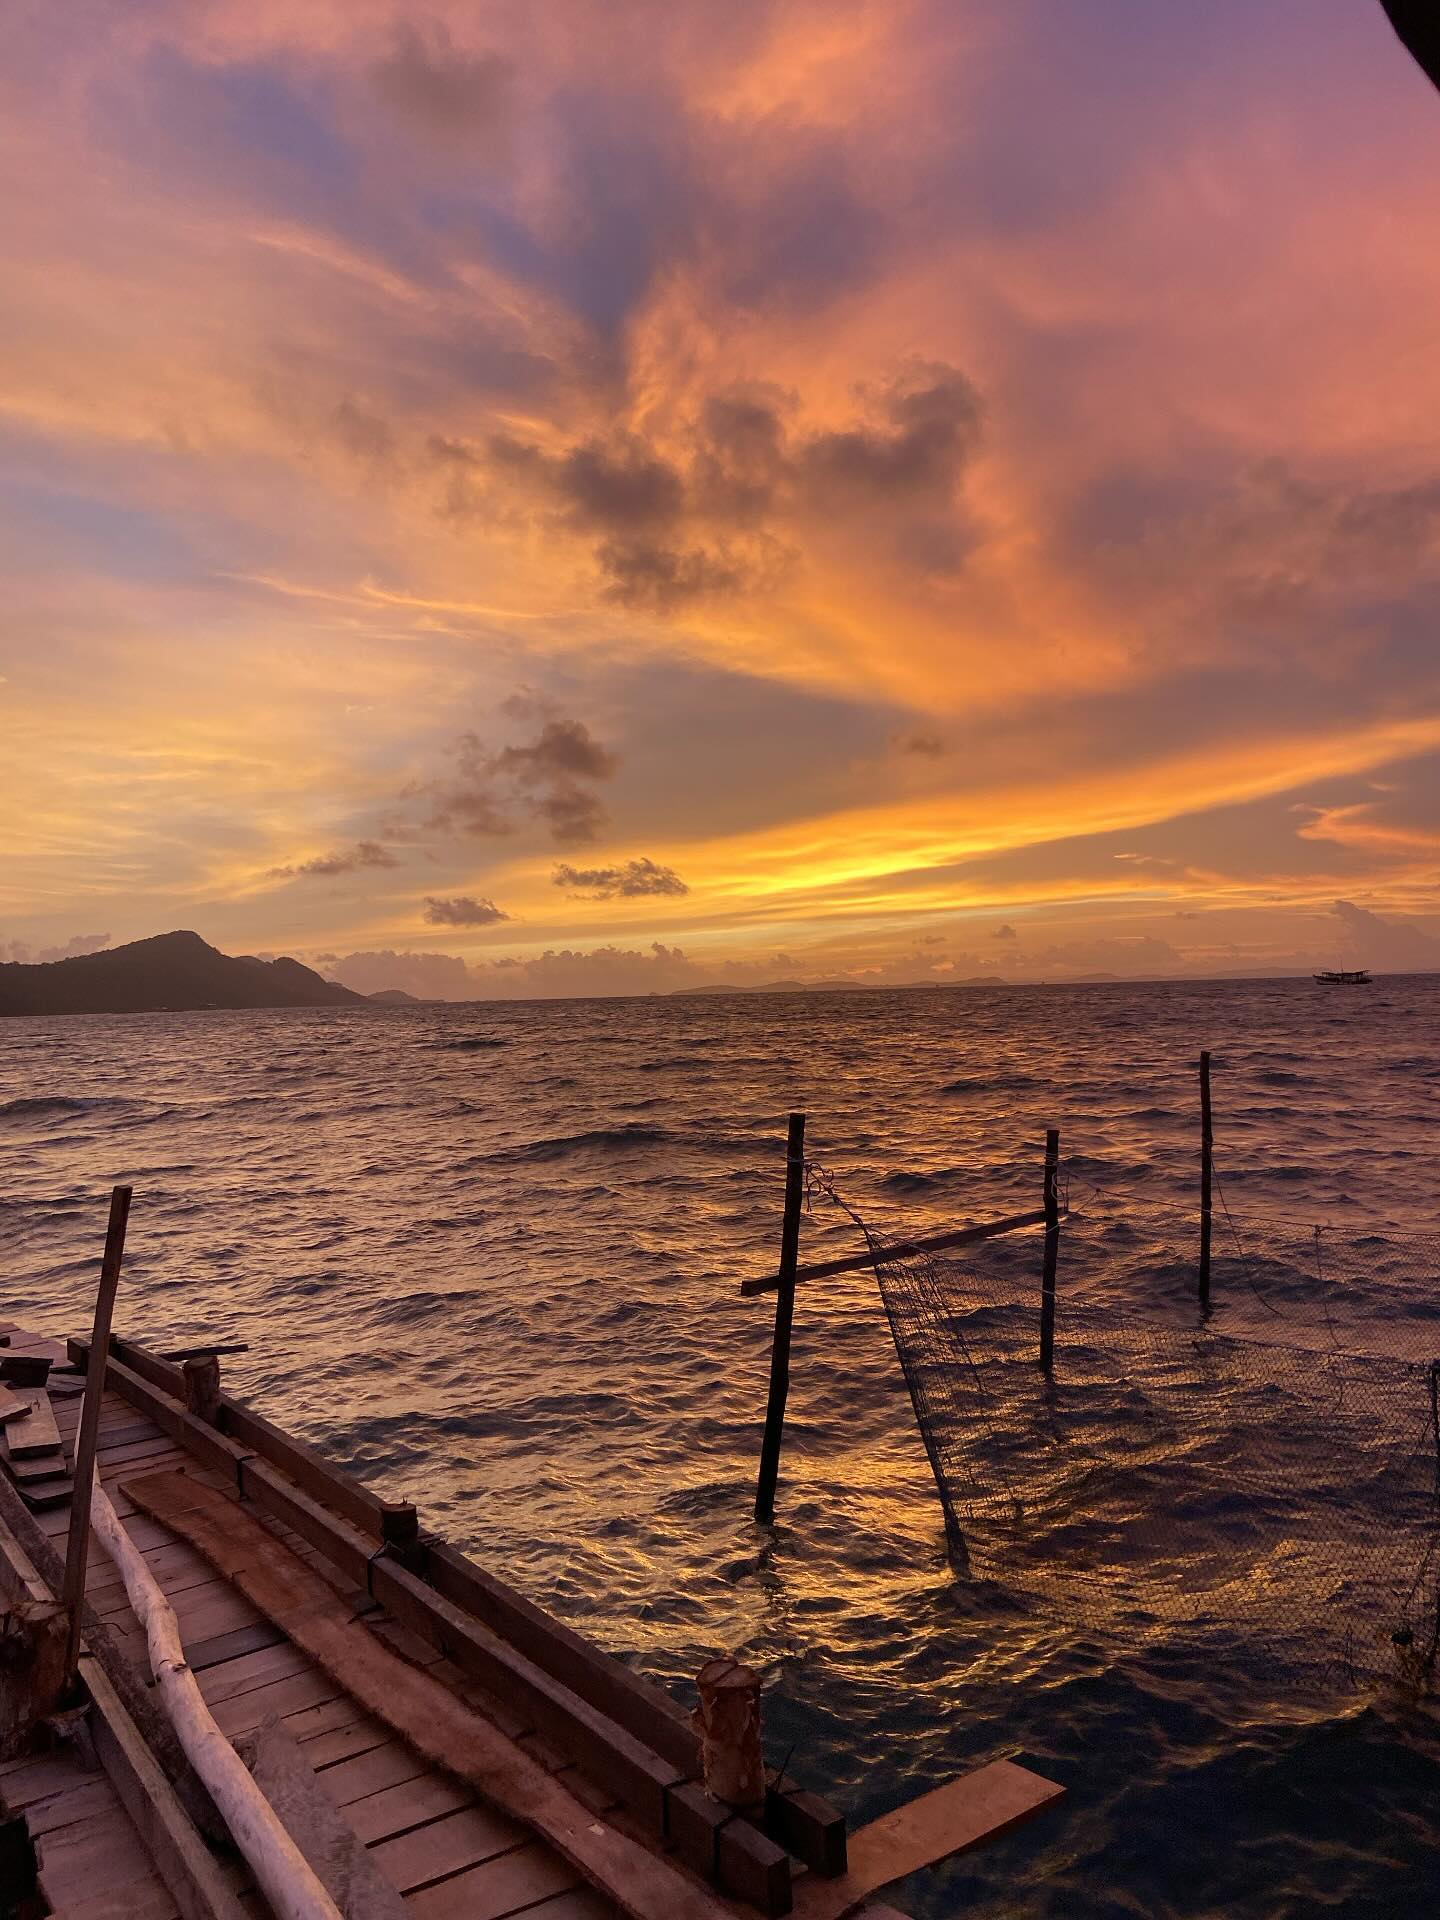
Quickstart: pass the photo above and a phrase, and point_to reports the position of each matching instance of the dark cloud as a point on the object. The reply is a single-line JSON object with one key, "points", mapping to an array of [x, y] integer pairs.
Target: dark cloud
{"points": [[1007, 932], [328, 866], [462, 911], [630, 881], [620, 486], [547, 779], [443, 91], [564, 748], [929, 423], [724, 507], [644, 574]]}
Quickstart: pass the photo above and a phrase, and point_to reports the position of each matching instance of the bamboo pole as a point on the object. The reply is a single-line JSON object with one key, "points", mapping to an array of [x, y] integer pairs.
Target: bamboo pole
{"points": [[1052, 1250], [784, 1318], [77, 1547], [282, 1871], [1207, 1175], [897, 1250]]}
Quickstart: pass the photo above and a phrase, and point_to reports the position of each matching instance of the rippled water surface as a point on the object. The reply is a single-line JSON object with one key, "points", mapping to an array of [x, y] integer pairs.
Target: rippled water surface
{"points": [[488, 1255]]}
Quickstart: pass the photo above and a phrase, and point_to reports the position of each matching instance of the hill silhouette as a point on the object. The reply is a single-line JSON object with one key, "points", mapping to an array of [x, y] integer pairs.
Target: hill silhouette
{"points": [[171, 972]]}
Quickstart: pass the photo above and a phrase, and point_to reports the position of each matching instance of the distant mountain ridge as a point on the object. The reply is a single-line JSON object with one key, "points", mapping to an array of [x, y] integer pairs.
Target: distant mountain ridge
{"points": [[169, 973]]}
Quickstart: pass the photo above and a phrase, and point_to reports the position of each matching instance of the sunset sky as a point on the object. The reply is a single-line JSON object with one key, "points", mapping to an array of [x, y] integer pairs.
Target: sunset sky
{"points": [[611, 494]]}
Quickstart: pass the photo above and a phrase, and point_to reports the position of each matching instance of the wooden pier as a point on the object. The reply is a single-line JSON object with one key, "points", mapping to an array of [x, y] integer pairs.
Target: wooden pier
{"points": [[444, 1716]]}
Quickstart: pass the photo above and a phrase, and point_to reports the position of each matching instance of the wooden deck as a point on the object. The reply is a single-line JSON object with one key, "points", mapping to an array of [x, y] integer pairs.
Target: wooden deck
{"points": [[449, 1855]]}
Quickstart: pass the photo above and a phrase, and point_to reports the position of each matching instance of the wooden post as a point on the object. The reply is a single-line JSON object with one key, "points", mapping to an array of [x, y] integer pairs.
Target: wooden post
{"points": [[1207, 1172], [784, 1316], [77, 1550], [202, 1387], [400, 1530], [728, 1722], [1052, 1249]]}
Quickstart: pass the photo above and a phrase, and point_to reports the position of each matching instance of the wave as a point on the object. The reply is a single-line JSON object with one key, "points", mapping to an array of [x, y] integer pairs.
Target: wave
{"points": [[987, 1083], [595, 1140], [471, 1043], [39, 1106]]}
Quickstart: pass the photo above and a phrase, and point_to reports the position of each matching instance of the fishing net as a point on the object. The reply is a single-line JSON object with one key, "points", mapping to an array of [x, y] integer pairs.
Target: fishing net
{"points": [[1258, 1468]]}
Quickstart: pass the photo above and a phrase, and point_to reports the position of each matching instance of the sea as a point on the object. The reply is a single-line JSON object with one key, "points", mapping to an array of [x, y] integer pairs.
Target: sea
{"points": [[489, 1256]]}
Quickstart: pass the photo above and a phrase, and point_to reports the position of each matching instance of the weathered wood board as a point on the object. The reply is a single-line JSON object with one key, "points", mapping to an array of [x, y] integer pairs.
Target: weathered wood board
{"points": [[979, 1806], [33, 1432]]}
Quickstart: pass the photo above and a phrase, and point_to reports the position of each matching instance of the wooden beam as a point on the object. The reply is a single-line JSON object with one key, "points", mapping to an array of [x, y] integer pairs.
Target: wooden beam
{"points": [[77, 1547], [784, 1318], [901, 1250], [964, 1813], [193, 1877]]}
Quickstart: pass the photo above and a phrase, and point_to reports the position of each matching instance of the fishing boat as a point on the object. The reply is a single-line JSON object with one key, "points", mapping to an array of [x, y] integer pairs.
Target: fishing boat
{"points": [[1343, 977]]}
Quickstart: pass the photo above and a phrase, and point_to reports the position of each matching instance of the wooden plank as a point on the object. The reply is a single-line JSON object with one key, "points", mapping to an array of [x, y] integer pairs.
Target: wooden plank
{"points": [[340, 1541], [223, 1680], [190, 1872], [979, 1806], [632, 1702], [384, 1766], [446, 1846], [25, 1369], [508, 1884], [12, 1406], [438, 1726], [636, 1775], [899, 1250], [226, 1646], [338, 1859], [79, 1860], [253, 1433], [35, 1432], [168, 1414], [406, 1805]]}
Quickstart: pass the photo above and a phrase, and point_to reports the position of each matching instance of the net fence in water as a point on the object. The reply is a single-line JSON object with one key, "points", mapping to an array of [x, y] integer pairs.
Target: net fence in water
{"points": [[1254, 1471]]}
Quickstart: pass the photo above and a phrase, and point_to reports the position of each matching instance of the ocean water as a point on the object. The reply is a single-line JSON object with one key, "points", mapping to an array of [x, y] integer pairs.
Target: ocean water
{"points": [[489, 1256]]}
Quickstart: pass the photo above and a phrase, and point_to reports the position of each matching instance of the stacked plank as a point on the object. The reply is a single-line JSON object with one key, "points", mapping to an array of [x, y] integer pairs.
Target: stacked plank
{"points": [[30, 1447]]}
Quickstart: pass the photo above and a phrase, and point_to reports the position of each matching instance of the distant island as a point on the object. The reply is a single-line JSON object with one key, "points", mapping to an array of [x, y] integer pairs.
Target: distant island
{"points": [[170, 973]]}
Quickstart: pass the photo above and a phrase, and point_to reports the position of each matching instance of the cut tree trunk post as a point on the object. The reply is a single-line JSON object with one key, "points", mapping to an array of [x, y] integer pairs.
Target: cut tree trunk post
{"points": [[728, 1721], [784, 1318], [77, 1548], [1207, 1176], [1052, 1249], [202, 1387]]}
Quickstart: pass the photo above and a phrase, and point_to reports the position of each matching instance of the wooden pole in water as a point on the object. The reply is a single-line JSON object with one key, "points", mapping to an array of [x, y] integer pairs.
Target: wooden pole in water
{"points": [[784, 1316], [1207, 1174], [1052, 1249], [77, 1548]]}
